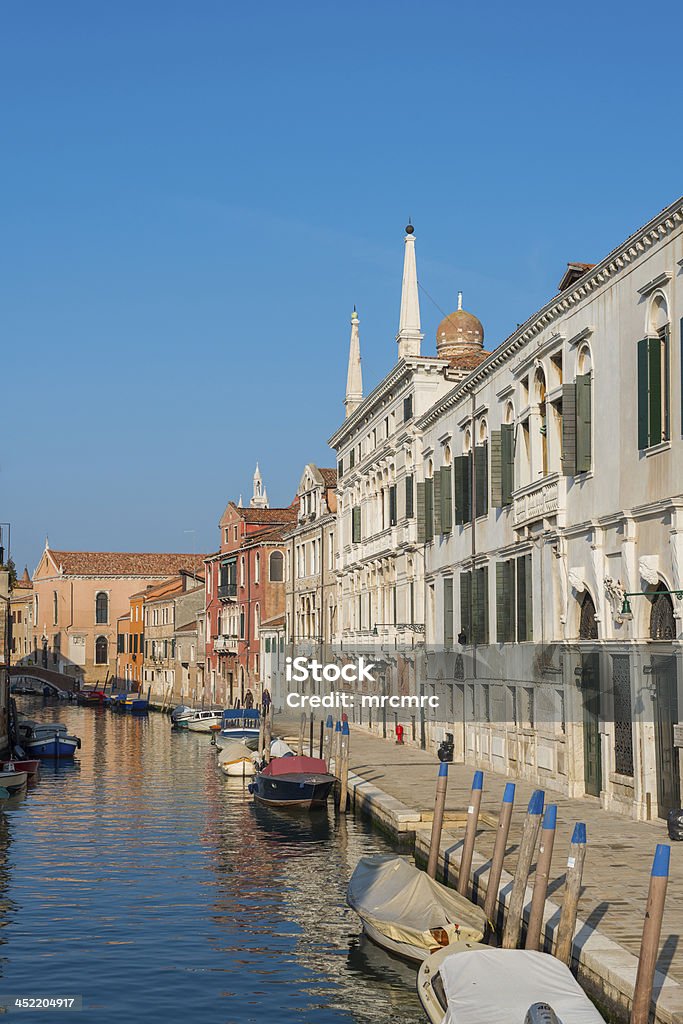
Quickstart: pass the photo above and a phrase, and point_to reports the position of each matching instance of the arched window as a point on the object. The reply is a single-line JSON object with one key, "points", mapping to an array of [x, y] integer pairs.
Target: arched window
{"points": [[653, 376], [662, 622], [539, 395], [101, 650], [257, 568], [276, 567], [55, 608], [588, 627], [102, 608], [257, 620]]}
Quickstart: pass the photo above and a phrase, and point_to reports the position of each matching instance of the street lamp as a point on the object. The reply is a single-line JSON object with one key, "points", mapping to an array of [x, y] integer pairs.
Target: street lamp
{"points": [[627, 613]]}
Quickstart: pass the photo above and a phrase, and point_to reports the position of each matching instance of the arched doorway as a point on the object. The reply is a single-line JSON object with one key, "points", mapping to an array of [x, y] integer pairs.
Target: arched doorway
{"points": [[665, 702], [590, 691]]}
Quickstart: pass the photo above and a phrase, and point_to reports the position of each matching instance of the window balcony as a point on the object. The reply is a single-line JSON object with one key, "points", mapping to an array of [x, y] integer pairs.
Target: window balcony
{"points": [[227, 591], [545, 499], [226, 644]]}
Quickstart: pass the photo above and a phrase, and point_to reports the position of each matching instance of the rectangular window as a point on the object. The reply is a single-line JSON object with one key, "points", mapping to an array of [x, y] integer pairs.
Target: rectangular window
{"points": [[407, 408], [465, 608], [410, 504], [355, 525], [524, 600], [242, 625], [429, 510], [392, 505], [267, 645], [446, 500], [120, 643], [481, 479], [448, 613], [340, 468], [480, 606], [463, 489], [653, 390], [352, 458], [505, 602]]}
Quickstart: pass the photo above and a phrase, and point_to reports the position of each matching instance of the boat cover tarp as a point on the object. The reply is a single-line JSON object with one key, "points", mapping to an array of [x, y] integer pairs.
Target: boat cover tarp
{"points": [[501, 984], [234, 751], [240, 714], [404, 903], [296, 765], [278, 748]]}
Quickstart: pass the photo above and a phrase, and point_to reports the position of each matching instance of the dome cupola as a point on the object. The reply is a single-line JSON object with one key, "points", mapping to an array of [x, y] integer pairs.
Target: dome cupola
{"points": [[460, 338]]}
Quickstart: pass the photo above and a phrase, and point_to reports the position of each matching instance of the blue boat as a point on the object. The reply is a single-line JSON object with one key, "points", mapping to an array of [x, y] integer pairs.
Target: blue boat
{"points": [[51, 742], [301, 783], [241, 724]]}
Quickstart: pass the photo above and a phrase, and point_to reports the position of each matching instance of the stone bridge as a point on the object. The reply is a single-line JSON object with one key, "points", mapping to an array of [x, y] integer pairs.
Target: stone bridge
{"points": [[43, 676]]}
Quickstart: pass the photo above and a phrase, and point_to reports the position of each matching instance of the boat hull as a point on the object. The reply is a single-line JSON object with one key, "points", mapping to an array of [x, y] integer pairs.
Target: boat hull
{"points": [[204, 725], [245, 735], [298, 793], [12, 781], [30, 767], [55, 746], [238, 769]]}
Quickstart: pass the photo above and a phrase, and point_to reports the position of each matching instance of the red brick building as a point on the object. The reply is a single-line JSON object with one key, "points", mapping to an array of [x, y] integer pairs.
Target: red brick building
{"points": [[245, 586]]}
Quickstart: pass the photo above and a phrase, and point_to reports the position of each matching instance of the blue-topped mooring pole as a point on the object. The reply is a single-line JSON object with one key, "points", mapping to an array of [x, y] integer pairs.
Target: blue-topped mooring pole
{"points": [[437, 823], [470, 833], [652, 928], [572, 891], [541, 877], [496, 869], [532, 824], [327, 749]]}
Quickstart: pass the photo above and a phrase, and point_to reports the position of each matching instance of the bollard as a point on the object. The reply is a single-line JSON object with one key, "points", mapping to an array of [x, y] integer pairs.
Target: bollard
{"points": [[310, 737], [541, 878], [344, 768], [437, 823], [572, 891], [532, 824], [652, 927], [498, 857], [302, 733], [327, 748], [470, 833], [322, 736], [267, 734]]}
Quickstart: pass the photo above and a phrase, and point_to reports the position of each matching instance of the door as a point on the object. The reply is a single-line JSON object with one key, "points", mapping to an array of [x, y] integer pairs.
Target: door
{"points": [[592, 756], [665, 717]]}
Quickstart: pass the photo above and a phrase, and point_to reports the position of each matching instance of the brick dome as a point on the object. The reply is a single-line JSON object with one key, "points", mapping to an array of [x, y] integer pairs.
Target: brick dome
{"points": [[460, 338]]}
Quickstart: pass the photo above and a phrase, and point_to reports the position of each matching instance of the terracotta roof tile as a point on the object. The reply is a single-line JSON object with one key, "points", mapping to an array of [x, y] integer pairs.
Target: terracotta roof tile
{"points": [[329, 477], [124, 563]]}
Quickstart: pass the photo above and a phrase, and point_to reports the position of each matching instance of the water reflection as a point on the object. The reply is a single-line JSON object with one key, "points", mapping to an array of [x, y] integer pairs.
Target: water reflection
{"points": [[144, 880]]}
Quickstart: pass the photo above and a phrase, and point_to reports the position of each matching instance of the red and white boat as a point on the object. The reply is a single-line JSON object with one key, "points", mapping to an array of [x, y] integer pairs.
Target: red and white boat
{"points": [[30, 767]]}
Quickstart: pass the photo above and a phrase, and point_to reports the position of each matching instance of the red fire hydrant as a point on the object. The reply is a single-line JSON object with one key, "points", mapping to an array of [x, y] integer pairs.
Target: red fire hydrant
{"points": [[399, 735]]}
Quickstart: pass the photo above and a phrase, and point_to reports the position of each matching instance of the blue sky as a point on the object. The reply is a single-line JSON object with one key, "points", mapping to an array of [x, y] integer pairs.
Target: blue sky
{"points": [[196, 194]]}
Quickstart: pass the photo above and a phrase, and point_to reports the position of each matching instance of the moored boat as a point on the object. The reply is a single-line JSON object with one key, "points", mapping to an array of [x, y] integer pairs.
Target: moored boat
{"points": [[469, 983], [236, 759], [181, 715], [31, 767], [47, 739], [298, 782], [95, 698], [204, 721], [409, 913], [12, 780], [241, 724]]}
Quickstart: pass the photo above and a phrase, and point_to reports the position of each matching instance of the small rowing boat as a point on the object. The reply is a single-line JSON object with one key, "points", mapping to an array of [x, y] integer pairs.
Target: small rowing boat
{"points": [[12, 780], [236, 759], [30, 767], [204, 721], [298, 782], [470, 983], [409, 913]]}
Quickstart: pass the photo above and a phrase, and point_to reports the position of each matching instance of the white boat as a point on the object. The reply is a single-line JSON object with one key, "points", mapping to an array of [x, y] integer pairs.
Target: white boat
{"points": [[204, 721], [236, 759], [409, 913], [181, 715], [470, 983], [11, 779]]}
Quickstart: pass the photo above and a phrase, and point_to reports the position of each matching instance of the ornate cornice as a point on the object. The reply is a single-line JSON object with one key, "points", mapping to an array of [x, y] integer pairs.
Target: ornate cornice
{"points": [[612, 265]]}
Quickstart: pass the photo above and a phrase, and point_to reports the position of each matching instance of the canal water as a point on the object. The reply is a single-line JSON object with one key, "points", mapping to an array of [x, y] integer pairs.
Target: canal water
{"points": [[144, 881]]}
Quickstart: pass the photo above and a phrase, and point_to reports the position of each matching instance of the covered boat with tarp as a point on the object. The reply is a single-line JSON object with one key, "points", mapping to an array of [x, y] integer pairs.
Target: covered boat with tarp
{"points": [[508, 986], [241, 724], [293, 782], [409, 913]]}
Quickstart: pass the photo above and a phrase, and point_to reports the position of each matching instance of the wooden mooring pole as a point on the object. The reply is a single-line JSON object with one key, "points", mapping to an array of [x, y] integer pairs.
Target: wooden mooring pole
{"points": [[310, 737], [572, 891], [327, 748], [302, 733], [344, 768], [337, 747], [541, 878], [498, 857], [437, 823], [470, 833], [532, 824], [652, 927], [267, 733], [322, 736]]}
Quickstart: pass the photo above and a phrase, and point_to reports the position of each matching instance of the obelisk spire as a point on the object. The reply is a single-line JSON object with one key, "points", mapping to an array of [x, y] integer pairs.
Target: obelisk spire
{"points": [[354, 377], [409, 335]]}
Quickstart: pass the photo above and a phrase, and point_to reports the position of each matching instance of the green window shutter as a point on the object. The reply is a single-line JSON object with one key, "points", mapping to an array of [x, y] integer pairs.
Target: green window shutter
{"points": [[507, 438], [496, 469], [407, 408], [410, 504], [583, 423], [480, 606], [466, 605], [448, 613], [654, 366], [467, 512], [340, 468], [569, 429], [525, 620], [429, 509], [459, 469], [446, 500], [681, 357], [529, 599], [356, 525], [421, 525], [643, 405], [505, 601], [481, 479], [437, 503], [267, 645], [352, 458], [392, 505]]}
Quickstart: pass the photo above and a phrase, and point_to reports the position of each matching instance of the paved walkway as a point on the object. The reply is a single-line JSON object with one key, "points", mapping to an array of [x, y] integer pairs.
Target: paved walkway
{"points": [[619, 854]]}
